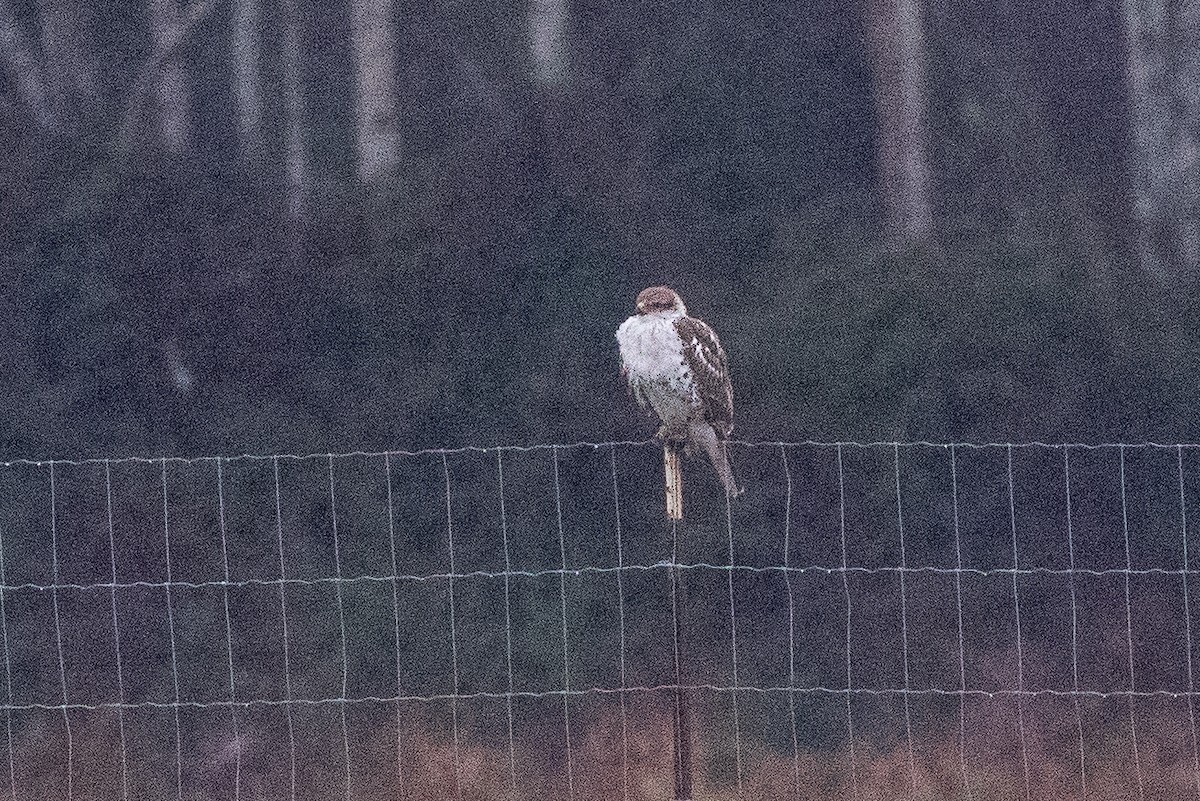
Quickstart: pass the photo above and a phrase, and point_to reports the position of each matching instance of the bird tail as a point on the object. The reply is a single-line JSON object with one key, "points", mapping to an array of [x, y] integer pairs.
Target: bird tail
{"points": [[705, 436]]}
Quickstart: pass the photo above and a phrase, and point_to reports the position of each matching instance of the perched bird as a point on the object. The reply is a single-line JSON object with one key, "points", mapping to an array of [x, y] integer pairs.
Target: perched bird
{"points": [[676, 366]]}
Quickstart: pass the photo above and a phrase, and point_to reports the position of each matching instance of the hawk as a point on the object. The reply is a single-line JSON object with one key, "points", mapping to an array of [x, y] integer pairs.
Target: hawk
{"points": [[676, 366]]}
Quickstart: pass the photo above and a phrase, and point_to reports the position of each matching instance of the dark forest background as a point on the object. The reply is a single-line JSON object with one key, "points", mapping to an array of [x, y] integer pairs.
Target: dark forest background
{"points": [[274, 226]]}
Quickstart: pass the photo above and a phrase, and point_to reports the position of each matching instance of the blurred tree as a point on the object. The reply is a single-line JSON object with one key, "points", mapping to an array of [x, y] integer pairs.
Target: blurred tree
{"points": [[24, 68], [295, 151], [247, 76], [897, 53], [172, 89], [160, 76], [376, 116], [70, 68], [1163, 73], [548, 25]]}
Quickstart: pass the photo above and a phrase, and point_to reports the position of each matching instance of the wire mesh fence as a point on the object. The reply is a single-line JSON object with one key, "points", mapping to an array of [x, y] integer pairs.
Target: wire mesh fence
{"points": [[878, 620]]}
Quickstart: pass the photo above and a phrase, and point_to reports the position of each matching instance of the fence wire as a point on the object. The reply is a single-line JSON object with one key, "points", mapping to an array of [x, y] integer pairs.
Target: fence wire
{"points": [[500, 621]]}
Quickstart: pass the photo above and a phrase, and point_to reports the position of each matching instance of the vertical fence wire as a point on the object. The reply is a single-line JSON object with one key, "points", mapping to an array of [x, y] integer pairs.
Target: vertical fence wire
{"points": [[1137, 761], [1020, 700], [841, 473], [1187, 623], [58, 641], [283, 621], [958, 600]]}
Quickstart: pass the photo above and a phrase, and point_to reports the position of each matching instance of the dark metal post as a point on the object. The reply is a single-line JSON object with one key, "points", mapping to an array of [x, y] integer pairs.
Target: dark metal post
{"points": [[682, 718]]}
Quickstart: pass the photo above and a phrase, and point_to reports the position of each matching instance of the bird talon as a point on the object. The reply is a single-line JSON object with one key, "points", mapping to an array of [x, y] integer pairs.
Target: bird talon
{"points": [[670, 435]]}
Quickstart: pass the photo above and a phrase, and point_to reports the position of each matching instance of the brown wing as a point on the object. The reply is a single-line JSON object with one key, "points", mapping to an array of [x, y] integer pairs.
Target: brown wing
{"points": [[709, 367]]}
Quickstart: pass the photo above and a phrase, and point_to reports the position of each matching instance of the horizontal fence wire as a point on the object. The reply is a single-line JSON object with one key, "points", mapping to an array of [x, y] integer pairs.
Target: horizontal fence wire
{"points": [[484, 449], [295, 457], [838, 692], [583, 571]]}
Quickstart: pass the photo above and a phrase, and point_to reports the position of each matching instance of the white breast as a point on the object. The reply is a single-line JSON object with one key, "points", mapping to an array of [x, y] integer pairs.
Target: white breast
{"points": [[652, 354]]}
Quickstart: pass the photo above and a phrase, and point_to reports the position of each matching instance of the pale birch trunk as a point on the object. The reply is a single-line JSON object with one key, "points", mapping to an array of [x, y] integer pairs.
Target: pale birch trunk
{"points": [[70, 70], [897, 46], [548, 48], [295, 152], [172, 93], [376, 119], [26, 72], [247, 76], [1163, 73]]}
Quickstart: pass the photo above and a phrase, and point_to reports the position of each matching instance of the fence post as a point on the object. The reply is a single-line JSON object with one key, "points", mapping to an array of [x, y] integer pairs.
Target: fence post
{"points": [[683, 710], [674, 480], [682, 717]]}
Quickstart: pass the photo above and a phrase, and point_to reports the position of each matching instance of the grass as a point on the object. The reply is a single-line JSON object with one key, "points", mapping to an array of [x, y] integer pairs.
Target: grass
{"points": [[988, 764]]}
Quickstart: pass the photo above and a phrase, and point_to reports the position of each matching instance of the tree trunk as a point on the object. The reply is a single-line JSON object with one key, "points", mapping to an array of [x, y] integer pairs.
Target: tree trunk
{"points": [[1163, 73], [25, 70], [376, 122], [70, 70], [548, 22], [897, 49], [171, 90], [296, 154], [247, 76]]}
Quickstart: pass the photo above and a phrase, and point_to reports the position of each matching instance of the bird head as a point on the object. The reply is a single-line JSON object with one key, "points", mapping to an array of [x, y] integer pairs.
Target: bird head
{"points": [[659, 299]]}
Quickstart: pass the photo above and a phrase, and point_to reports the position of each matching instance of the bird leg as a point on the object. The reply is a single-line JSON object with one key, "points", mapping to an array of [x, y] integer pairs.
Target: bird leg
{"points": [[676, 434]]}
